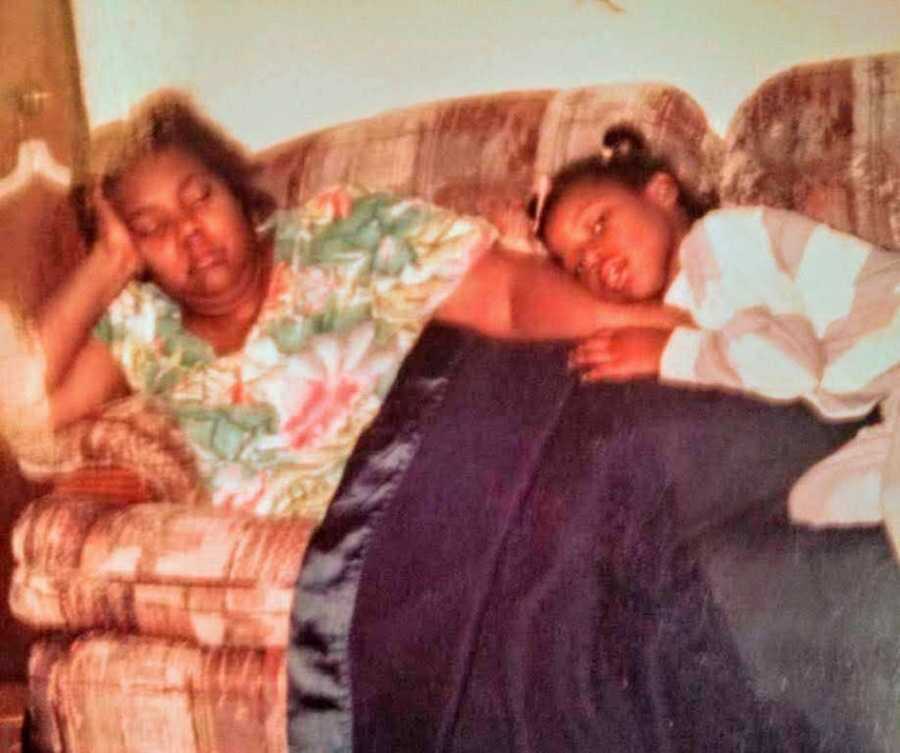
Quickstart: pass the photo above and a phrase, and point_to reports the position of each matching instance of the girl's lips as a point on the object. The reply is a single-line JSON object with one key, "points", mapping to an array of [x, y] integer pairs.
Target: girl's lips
{"points": [[614, 273], [608, 274]]}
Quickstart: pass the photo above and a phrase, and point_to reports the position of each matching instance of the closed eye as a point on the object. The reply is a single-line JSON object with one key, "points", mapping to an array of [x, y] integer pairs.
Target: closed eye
{"points": [[196, 191], [146, 226]]}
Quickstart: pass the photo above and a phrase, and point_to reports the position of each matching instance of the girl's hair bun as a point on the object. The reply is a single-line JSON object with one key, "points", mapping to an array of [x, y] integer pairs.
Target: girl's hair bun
{"points": [[622, 143]]}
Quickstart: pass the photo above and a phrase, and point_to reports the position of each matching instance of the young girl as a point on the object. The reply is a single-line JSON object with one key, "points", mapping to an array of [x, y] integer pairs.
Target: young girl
{"points": [[784, 308]]}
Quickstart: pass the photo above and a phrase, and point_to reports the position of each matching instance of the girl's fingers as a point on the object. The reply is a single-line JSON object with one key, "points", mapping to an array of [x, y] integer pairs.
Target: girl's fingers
{"points": [[599, 341], [598, 349], [604, 373], [586, 360], [594, 348], [597, 374], [591, 375]]}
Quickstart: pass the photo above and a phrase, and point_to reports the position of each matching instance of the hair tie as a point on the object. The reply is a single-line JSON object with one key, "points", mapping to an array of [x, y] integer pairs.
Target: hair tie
{"points": [[620, 143]]}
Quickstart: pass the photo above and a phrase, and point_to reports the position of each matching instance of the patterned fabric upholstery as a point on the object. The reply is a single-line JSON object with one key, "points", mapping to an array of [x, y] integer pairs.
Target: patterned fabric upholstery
{"points": [[452, 151], [822, 139], [106, 693]]}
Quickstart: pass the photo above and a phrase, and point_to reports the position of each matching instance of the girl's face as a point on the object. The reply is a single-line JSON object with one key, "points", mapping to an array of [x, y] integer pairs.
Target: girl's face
{"points": [[188, 227], [618, 242]]}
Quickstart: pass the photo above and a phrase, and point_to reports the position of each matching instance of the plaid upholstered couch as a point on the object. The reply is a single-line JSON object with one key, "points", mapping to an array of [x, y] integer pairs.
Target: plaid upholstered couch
{"points": [[164, 622]]}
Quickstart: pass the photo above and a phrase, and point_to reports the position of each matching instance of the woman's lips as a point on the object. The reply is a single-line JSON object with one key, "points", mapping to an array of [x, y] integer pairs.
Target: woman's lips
{"points": [[203, 260]]}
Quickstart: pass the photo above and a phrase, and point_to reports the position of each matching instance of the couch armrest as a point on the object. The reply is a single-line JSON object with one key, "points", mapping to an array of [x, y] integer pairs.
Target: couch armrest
{"points": [[202, 574], [132, 448]]}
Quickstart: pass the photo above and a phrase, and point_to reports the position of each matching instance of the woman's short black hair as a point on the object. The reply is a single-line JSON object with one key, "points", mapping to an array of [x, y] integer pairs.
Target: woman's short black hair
{"points": [[169, 118], [624, 158]]}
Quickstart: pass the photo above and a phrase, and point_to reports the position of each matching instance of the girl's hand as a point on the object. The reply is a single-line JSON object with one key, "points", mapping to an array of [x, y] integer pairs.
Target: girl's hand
{"points": [[616, 355], [114, 246]]}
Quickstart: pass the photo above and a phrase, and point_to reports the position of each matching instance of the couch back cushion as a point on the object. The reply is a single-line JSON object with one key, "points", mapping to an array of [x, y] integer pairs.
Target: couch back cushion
{"points": [[822, 139], [455, 151]]}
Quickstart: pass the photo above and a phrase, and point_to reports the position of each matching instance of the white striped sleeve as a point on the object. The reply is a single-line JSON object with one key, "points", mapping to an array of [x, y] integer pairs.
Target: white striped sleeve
{"points": [[752, 355], [826, 279], [728, 264], [788, 309], [679, 359]]}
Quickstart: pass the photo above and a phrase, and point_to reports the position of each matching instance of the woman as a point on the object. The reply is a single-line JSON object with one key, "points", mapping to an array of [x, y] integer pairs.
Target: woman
{"points": [[275, 346]]}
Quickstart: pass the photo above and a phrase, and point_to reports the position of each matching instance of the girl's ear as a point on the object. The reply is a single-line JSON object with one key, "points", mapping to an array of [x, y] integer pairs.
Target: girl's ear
{"points": [[662, 189]]}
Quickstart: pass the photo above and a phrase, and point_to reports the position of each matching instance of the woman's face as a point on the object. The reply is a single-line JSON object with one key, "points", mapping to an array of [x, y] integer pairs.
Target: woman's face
{"points": [[188, 227], [618, 242]]}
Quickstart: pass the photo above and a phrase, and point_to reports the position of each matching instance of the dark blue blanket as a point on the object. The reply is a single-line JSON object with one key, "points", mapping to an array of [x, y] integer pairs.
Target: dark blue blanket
{"points": [[518, 563]]}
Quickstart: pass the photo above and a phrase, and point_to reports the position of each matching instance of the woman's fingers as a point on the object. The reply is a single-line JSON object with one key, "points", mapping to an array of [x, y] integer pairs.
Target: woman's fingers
{"points": [[111, 226], [114, 239]]}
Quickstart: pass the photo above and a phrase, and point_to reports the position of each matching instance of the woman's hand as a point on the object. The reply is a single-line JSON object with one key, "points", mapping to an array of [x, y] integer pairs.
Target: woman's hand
{"points": [[617, 355], [65, 321], [510, 217], [115, 250]]}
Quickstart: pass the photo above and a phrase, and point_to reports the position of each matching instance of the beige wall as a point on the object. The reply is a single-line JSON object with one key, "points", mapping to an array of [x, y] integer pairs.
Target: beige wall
{"points": [[270, 69]]}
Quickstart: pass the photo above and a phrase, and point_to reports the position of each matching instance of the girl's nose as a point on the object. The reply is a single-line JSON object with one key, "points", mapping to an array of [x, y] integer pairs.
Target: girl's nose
{"points": [[590, 251]]}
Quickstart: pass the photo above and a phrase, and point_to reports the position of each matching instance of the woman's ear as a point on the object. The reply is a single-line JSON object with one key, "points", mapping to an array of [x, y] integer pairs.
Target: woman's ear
{"points": [[662, 189]]}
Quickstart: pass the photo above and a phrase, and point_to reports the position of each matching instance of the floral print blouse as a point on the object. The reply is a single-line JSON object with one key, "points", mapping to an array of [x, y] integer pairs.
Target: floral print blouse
{"points": [[356, 276]]}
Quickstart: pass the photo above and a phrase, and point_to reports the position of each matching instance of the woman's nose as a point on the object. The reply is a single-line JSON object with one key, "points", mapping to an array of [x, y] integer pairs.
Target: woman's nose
{"points": [[189, 231]]}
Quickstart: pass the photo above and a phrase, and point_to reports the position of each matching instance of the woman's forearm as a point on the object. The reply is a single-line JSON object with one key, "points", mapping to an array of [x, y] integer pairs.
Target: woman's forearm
{"points": [[65, 322], [521, 298], [548, 303]]}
